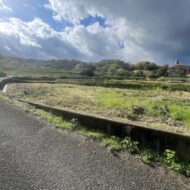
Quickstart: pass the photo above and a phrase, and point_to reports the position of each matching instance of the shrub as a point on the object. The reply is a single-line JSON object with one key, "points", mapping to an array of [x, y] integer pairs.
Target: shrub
{"points": [[170, 159], [122, 72], [87, 72], [137, 73], [131, 146], [148, 74]]}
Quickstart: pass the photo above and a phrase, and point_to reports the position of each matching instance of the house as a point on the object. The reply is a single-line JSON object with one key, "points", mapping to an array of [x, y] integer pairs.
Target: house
{"points": [[179, 69]]}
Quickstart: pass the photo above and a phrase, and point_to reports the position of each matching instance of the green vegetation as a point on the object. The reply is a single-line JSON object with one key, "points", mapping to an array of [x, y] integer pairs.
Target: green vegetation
{"points": [[95, 135], [170, 159], [154, 107], [118, 68], [50, 118], [133, 84], [118, 144]]}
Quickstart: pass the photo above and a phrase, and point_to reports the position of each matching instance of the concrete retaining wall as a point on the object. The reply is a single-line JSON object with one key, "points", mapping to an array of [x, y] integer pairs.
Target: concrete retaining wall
{"points": [[149, 137], [4, 82]]}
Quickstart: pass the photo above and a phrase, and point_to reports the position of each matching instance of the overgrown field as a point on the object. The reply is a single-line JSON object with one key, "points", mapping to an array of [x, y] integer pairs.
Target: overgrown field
{"points": [[154, 107], [165, 83]]}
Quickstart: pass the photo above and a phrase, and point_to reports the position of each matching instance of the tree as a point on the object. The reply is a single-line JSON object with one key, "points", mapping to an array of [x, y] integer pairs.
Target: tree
{"points": [[123, 73], [162, 71], [149, 74], [85, 69], [87, 72], [112, 71], [137, 73], [145, 65], [111, 67]]}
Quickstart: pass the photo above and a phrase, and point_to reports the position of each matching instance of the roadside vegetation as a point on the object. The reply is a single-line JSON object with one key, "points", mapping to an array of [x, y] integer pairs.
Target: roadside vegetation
{"points": [[154, 107]]}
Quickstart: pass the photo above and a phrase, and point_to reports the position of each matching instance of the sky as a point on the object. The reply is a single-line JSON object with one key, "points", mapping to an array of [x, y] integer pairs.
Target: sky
{"points": [[92, 30]]}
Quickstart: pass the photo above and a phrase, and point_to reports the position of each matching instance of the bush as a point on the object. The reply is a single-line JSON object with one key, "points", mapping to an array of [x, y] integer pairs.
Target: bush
{"points": [[148, 74], [131, 146], [145, 65], [171, 160], [122, 72], [87, 72], [137, 73]]}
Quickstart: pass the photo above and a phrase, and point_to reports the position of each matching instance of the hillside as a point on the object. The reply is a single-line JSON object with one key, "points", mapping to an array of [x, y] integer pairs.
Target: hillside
{"points": [[75, 68], [20, 66], [12, 62]]}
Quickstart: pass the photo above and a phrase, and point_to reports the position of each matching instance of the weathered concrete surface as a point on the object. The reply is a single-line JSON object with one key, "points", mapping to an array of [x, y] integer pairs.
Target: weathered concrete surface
{"points": [[36, 156]]}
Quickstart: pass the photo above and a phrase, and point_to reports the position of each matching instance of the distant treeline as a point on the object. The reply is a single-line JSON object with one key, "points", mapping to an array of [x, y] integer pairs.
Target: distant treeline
{"points": [[104, 68]]}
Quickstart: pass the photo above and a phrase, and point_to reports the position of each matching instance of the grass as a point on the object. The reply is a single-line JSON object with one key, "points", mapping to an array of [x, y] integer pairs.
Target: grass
{"points": [[92, 134], [171, 84], [55, 120], [148, 156], [114, 102], [113, 143]]}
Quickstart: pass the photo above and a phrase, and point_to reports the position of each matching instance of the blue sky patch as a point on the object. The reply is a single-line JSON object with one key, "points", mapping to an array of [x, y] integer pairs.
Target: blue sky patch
{"points": [[92, 20], [121, 44], [28, 10]]}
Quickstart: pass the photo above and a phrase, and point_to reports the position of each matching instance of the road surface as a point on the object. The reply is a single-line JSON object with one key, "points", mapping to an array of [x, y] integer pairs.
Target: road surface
{"points": [[35, 155]]}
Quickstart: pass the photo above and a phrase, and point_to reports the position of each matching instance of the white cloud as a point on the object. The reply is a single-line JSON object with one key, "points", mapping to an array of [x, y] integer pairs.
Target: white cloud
{"points": [[20, 30], [72, 11], [4, 7], [158, 30], [38, 39], [34, 39], [97, 42]]}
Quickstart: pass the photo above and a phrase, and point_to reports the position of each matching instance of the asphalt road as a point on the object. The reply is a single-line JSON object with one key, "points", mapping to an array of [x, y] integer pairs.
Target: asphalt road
{"points": [[35, 155]]}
